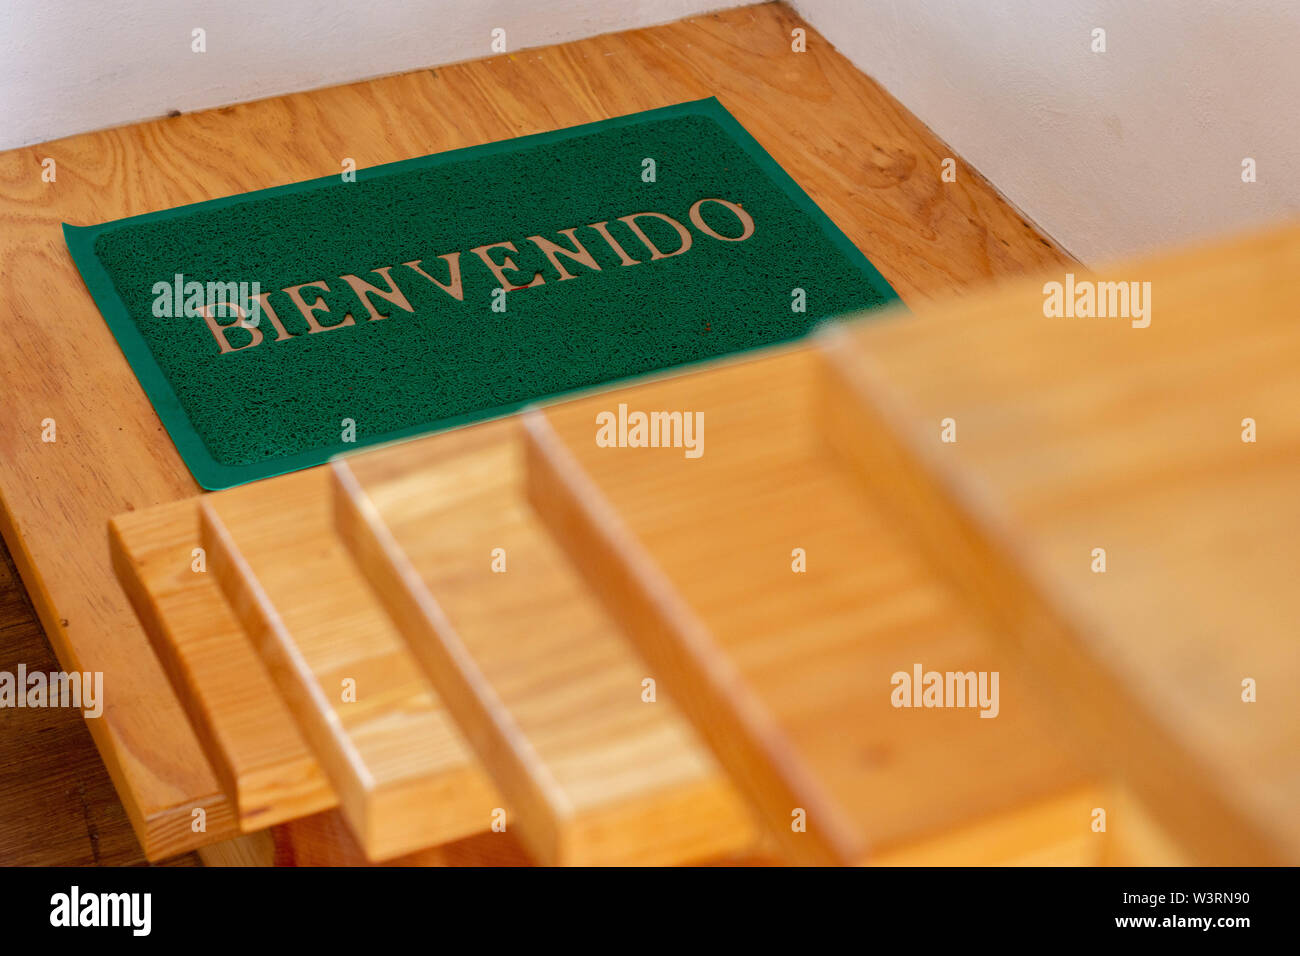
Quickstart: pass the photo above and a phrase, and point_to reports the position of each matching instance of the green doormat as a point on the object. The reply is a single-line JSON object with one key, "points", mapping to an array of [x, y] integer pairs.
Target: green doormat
{"points": [[274, 329]]}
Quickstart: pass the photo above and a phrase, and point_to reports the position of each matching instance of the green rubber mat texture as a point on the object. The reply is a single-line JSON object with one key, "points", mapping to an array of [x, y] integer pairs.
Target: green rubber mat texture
{"points": [[287, 401]]}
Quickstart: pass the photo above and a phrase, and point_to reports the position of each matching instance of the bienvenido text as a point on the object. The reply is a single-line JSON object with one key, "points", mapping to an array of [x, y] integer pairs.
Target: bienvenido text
{"points": [[237, 327]]}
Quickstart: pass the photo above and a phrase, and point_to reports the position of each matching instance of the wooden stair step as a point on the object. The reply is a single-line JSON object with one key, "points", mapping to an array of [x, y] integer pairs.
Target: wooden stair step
{"points": [[535, 672], [245, 728], [788, 675], [404, 777], [1075, 434], [326, 839]]}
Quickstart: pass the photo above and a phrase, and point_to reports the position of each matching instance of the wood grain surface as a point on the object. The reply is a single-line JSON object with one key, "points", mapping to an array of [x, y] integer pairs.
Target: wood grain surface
{"points": [[788, 672], [869, 164], [246, 729], [537, 675], [404, 777], [1076, 434], [57, 803], [326, 839]]}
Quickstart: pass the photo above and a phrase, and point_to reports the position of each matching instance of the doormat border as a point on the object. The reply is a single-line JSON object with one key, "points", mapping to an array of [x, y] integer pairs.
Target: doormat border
{"points": [[214, 476]]}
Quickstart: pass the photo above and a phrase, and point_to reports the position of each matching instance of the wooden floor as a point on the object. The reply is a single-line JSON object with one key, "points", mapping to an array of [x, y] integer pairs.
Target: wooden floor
{"points": [[57, 804], [864, 159]]}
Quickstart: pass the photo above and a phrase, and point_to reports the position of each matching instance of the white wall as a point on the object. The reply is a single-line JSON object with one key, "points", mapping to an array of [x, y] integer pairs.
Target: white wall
{"points": [[1109, 153], [67, 66]]}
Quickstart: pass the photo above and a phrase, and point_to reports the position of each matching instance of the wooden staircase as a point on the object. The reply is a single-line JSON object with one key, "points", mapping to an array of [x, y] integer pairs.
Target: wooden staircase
{"points": [[512, 638]]}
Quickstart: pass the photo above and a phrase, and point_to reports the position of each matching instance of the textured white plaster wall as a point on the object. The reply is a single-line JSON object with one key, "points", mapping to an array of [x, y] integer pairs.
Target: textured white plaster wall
{"points": [[1110, 153], [67, 66]]}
